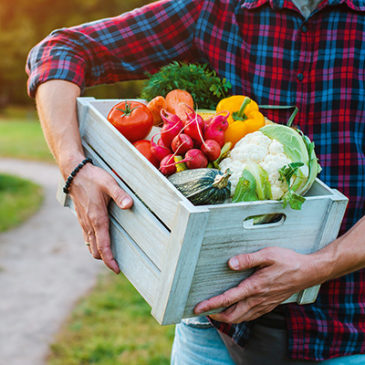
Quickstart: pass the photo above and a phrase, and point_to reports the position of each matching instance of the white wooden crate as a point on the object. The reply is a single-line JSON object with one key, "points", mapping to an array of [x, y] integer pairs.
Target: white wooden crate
{"points": [[175, 253]]}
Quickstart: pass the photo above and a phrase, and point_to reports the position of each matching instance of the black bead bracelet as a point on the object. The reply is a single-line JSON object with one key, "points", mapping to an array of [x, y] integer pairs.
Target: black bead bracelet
{"points": [[73, 174]]}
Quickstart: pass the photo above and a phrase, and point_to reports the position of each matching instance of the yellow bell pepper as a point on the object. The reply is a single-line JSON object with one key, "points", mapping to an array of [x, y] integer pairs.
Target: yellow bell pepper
{"points": [[244, 117]]}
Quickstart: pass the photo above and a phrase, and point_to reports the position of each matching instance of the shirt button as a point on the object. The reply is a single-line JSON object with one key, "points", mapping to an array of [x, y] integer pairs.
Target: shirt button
{"points": [[304, 29], [300, 77]]}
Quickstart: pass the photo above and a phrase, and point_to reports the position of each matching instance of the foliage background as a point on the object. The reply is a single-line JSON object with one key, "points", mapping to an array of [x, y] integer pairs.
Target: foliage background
{"points": [[24, 23]]}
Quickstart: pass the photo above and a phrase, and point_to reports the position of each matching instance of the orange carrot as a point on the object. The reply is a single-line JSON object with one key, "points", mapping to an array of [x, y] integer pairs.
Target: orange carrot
{"points": [[177, 96], [182, 110], [155, 106]]}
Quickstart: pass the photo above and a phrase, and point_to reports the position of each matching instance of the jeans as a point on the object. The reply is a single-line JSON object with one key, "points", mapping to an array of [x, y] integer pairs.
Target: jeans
{"points": [[198, 343]]}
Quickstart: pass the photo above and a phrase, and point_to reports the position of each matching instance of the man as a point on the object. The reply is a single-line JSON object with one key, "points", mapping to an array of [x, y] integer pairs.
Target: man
{"points": [[278, 52]]}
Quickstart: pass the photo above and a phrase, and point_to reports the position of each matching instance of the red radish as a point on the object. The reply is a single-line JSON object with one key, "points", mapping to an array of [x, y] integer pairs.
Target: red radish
{"points": [[194, 127], [216, 127], [168, 165], [159, 151], [182, 143], [195, 159], [160, 143], [211, 149], [172, 126]]}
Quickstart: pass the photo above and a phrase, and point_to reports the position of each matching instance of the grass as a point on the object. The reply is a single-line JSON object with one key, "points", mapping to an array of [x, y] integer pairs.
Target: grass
{"points": [[23, 138], [19, 199], [112, 326]]}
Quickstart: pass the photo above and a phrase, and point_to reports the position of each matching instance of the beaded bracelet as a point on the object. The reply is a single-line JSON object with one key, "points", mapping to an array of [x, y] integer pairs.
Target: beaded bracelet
{"points": [[73, 174]]}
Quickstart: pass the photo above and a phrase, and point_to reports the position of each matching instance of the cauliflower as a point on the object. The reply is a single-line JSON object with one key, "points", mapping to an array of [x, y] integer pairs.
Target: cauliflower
{"points": [[275, 162], [268, 153]]}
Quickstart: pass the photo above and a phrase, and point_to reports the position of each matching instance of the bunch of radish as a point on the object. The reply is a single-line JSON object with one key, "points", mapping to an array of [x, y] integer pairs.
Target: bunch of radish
{"points": [[198, 142]]}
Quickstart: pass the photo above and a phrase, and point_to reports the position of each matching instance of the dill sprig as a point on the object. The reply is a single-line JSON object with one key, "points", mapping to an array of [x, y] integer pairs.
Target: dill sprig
{"points": [[205, 86]]}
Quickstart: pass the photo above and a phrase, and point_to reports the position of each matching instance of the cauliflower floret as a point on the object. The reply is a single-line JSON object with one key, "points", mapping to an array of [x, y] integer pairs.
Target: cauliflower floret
{"points": [[249, 152], [272, 164], [256, 138], [236, 168], [276, 147]]}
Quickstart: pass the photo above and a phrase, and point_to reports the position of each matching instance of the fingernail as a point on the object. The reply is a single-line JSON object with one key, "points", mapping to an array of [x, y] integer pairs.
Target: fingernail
{"points": [[125, 202], [233, 263], [116, 267], [199, 309]]}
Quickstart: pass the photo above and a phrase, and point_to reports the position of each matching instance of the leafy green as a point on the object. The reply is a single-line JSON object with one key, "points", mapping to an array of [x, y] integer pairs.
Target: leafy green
{"points": [[294, 200], [314, 166], [263, 187], [253, 184], [245, 189], [290, 197], [287, 171], [205, 86]]}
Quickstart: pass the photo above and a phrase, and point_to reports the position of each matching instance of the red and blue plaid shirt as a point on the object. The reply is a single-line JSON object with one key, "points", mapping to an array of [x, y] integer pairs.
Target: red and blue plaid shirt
{"points": [[267, 50]]}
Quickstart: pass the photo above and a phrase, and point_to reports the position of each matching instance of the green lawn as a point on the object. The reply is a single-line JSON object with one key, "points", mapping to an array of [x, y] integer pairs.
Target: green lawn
{"points": [[23, 138], [19, 200], [112, 326]]}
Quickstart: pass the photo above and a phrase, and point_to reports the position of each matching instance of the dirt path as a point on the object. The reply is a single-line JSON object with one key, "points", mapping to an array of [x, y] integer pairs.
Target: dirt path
{"points": [[44, 269]]}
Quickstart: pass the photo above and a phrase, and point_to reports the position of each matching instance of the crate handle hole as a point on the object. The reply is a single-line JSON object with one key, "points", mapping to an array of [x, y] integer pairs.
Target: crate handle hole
{"points": [[264, 221]]}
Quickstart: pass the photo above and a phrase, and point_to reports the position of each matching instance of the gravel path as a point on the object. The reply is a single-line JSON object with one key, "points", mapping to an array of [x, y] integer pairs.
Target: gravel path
{"points": [[44, 269]]}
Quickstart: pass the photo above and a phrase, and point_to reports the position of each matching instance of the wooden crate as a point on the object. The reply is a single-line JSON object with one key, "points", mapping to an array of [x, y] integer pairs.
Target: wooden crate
{"points": [[175, 253]]}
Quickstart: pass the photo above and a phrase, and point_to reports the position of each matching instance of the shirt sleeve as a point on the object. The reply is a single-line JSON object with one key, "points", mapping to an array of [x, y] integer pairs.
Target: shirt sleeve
{"points": [[116, 49]]}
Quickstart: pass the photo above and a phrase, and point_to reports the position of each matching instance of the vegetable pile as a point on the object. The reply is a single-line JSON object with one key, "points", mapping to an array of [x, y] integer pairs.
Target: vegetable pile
{"points": [[229, 154]]}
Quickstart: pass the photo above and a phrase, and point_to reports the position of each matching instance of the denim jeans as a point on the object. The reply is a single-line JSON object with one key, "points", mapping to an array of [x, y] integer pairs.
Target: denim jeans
{"points": [[198, 343]]}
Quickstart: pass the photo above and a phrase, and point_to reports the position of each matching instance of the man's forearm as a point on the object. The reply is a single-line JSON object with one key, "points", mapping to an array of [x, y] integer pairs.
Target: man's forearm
{"points": [[346, 254], [56, 104]]}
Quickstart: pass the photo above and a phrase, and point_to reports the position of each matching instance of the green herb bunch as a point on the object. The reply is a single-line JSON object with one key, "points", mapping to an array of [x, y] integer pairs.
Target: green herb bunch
{"points": [[204, 85]]}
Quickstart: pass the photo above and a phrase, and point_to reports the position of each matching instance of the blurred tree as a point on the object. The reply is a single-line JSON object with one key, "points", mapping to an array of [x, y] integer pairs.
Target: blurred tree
{"points": [[24, 23]]}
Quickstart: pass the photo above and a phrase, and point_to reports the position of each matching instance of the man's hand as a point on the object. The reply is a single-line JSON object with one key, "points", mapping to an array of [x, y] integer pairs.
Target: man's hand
{"points": [[279, 273], [91, 191]]}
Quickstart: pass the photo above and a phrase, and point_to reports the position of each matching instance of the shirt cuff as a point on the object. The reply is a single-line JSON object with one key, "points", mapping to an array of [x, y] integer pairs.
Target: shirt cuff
{"points": [[67, 68]]}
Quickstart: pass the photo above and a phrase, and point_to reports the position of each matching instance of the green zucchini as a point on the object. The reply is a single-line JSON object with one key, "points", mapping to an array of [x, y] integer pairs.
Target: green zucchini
{"points": [[203, 186]]}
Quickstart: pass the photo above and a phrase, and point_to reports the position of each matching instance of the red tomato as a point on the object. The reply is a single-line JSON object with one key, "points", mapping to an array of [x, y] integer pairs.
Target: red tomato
{"points": [[144, 147], [132, 118]]}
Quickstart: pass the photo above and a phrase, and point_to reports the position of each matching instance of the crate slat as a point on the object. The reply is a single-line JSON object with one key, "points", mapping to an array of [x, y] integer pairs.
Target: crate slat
{"points": [[226, 224], [134, 263]]}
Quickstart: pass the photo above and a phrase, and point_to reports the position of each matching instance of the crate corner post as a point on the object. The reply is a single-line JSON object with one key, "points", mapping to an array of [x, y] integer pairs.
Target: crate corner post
{"points": [[180, 263], [83, 104]]}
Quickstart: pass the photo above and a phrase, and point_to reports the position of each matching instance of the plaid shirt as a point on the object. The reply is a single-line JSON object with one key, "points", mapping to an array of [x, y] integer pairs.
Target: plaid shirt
{"points": [[267, 50]]}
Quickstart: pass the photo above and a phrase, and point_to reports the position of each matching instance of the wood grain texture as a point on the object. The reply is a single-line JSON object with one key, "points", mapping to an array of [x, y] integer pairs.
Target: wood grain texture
{"points": [[178, 272], [134, 263]]}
